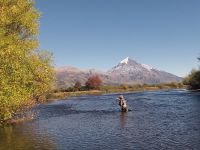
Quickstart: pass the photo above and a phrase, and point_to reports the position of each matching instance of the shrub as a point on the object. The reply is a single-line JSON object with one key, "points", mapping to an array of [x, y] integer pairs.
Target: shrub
{"points": [[93, 82]]}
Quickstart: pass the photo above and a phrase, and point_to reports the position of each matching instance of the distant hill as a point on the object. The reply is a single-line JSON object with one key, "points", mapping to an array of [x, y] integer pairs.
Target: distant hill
{"points": [[128, 71], [67, 76]]}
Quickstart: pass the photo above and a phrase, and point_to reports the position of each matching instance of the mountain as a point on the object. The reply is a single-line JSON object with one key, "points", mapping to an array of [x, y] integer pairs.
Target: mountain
{"points": [[128, 71]]}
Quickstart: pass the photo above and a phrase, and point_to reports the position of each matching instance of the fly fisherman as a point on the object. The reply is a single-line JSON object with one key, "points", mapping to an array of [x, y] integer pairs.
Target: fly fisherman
{"points": [[122, 103]]}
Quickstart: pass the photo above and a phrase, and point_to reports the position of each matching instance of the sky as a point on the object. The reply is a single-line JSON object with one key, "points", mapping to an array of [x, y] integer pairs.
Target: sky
{"points": [[164, 34]]}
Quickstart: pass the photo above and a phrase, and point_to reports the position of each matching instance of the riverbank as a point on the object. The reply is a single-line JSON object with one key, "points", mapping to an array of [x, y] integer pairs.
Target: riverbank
{"points": [[64, 95], [113, 89]]}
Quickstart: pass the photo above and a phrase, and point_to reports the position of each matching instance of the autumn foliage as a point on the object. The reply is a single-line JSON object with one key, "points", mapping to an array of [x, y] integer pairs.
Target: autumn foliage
{"points": [[26, 73], [93, 82]]}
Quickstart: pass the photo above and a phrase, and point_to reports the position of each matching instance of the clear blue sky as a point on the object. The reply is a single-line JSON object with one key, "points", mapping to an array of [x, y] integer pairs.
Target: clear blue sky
{"points": [[99, 33]]}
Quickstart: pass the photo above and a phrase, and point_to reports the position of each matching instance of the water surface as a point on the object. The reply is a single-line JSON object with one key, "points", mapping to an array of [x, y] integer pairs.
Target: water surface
{"points": [[164, 120]]}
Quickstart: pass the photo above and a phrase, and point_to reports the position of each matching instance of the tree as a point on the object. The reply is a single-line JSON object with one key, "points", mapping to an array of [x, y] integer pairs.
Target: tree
{"points": [[193, 79], [93, 82], [26, 73], [77, 86]]}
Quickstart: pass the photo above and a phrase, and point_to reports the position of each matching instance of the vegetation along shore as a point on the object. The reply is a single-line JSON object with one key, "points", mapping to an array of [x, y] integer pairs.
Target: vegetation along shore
{"points": [[103, 89]]}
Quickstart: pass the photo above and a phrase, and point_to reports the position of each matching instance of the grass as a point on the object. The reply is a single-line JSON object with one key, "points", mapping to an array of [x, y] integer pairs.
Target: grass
{"points": [[64, 94]]}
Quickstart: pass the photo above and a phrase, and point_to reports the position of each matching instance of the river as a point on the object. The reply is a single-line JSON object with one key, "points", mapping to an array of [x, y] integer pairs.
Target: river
{"points": [[158, 120]]}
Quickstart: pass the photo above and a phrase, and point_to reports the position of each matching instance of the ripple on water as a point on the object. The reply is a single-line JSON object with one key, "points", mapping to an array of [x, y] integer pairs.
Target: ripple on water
{"points": [[167, 120]]}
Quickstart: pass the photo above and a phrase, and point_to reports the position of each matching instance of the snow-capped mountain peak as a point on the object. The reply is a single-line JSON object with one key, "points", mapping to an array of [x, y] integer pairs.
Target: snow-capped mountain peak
{"points": [[129, 70], [147, 67], [132, 62], [125, 61]]}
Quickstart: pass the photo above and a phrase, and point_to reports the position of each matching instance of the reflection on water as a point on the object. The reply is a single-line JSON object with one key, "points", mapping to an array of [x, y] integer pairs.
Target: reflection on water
{"points": [[123, 119], [167, 120], [19, 137]]}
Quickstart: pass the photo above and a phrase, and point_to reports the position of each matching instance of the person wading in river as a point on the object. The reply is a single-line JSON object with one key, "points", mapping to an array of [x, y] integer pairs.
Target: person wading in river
{"points": [[122, 103]]}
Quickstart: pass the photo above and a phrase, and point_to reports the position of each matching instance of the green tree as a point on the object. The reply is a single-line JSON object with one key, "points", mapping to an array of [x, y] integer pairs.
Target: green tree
{"points": [[26, 73], [77, 86], [193, 80]]}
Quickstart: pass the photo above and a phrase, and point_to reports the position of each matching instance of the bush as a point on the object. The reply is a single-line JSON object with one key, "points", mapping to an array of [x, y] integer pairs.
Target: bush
{"points": [[93, 82], [193, 80]]}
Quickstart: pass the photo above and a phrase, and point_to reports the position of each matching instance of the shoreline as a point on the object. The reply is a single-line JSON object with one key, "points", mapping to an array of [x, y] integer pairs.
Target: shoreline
{"points": [[12, 122], [64, 95]]}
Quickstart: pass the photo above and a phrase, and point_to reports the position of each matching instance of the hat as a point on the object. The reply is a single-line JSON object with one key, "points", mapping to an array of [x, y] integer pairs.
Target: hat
{"points": [[121, 97]]}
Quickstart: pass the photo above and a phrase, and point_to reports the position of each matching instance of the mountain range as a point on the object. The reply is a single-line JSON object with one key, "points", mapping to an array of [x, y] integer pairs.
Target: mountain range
{"points": [[127, 71]]}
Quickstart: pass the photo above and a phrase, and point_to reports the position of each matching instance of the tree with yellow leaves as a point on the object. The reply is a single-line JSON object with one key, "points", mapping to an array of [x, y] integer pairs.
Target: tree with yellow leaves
{"points": [[26, 74]]}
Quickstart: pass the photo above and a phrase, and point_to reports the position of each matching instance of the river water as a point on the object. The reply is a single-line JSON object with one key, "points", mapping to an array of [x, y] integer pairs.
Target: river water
{"points": [[158, 120]]}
